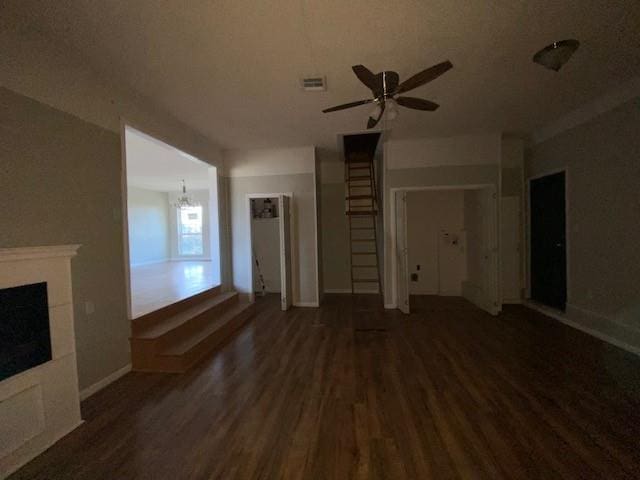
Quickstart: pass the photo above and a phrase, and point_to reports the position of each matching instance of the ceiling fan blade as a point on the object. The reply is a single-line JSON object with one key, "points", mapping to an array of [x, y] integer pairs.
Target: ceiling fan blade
{"points": [[417, 103], [346, 105], [424, 76], [372, 122], [374, 82]]}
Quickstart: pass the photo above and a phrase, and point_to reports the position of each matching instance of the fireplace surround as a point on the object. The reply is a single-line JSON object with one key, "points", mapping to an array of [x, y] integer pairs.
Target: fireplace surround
{"points": [[39, 398]]}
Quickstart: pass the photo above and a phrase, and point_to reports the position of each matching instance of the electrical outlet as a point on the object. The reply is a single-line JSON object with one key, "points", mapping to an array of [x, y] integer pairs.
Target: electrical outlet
{"points": [[414, 277]]}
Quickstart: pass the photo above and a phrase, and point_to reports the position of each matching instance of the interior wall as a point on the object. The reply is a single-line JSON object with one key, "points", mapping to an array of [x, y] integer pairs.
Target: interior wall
{"points": [[603, 207], [442, 264], [73, 116], [334, 225], [63, 177], [148, 218], [462, 160], [512, 192], [266, 171]]}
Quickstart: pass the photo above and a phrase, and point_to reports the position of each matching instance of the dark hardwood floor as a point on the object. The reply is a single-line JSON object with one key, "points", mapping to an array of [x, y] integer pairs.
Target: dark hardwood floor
{"points": [[352, 391]]}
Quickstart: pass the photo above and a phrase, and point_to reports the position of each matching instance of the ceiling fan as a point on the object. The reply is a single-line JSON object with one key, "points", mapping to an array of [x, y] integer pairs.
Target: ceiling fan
{"points": [[386, 87]]}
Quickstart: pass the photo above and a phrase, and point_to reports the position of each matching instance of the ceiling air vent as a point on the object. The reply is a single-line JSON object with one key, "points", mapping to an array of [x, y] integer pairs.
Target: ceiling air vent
{"points": [[314, 84]]}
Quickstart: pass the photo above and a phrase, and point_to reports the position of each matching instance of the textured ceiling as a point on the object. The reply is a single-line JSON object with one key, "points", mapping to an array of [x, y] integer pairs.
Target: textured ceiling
{"points": [[231, 68]]}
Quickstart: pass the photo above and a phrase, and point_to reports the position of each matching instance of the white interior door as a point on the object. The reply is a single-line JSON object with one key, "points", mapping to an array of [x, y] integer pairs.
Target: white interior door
{"points": [[285, 251], [490, 271], [402, 252], [510, 249]]}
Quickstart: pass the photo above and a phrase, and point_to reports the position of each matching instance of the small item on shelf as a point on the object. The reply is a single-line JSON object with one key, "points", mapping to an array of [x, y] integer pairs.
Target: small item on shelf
{"points": [[267, 209]]}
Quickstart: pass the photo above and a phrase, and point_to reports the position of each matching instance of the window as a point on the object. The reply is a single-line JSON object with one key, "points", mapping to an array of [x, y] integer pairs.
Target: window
{"points": [[190, 241]]}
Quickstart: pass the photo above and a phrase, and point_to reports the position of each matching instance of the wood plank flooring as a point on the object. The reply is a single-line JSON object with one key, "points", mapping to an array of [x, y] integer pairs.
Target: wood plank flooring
{"points": [[157, 285], [350, 391]]}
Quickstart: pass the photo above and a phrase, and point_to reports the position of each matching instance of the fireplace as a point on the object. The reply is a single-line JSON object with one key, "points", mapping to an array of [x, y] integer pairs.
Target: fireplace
{"points": [[25, 340], [39, 398]]}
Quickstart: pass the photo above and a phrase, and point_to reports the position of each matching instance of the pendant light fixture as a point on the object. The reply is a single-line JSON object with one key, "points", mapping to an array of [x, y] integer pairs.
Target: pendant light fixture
{"points": [[184, 200]]}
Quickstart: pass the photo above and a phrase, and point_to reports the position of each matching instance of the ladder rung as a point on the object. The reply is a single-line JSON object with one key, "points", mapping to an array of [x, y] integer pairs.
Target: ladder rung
{"points": [[363, 239], [359, 197], [366, 167], [359, 177], [365, 280], [364, 253], [362, 212], [363, 228], [364, 266]]}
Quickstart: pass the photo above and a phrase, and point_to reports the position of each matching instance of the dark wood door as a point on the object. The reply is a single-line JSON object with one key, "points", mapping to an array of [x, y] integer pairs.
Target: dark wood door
{"points": [[548, 241]]}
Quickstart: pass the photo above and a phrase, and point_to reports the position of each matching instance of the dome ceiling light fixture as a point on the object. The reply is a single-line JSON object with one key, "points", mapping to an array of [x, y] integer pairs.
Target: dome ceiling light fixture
{"points": [[554, 56]]}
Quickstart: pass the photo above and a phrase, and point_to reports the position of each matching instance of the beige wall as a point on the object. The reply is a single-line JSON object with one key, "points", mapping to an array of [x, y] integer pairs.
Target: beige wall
{"points": [[66, 177], [148, 224], [465, 160], [603, 179], [442, 265], [334, 226], [265, 171], [62, 176]]}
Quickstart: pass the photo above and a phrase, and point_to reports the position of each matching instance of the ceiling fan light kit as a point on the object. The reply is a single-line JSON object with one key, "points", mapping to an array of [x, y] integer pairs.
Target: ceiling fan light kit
{"points": [[554, 56], [387, 89]]}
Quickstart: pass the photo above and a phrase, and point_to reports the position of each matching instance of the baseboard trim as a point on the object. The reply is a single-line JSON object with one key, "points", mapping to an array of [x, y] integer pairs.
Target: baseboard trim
{"points": [[511, 301], [99, 385], [563, 318], [23, 461], [150, 262], [306, 304]]}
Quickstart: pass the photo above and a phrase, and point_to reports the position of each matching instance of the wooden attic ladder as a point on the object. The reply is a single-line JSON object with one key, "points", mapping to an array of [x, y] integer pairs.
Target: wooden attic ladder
{"points": [[362, 209]]}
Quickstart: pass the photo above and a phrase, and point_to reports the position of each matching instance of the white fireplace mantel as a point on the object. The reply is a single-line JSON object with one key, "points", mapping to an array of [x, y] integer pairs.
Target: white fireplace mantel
{"points": [[40, 405], [30, 253]]}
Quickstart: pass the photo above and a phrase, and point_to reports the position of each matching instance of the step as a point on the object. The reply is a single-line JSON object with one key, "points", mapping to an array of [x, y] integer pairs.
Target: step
{"points": [[144, 321], [359, 177], [362, 240], [364, 266], [363, 228], [364, 253], [181, 319], [180, 356], [362, 212], [359, 197], [365, 280]]}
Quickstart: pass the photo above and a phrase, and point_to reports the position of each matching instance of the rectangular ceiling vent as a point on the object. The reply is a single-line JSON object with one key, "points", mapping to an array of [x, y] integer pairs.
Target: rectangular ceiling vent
{"points": [[314, 84]]}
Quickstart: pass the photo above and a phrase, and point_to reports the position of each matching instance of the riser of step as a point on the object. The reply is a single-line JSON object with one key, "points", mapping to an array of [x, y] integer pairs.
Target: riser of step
{"points": [[181, 363], [150, 347], [146, 321]]}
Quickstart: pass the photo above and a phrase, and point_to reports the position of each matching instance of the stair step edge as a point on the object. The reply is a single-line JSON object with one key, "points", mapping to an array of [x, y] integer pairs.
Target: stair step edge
{"points": [[181, 318], [185, 345]]}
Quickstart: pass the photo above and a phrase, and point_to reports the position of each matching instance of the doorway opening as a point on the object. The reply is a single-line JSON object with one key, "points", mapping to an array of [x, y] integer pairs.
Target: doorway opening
{"points": [[445, 245], [270, 237], [171, 225], [547, 240]]}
